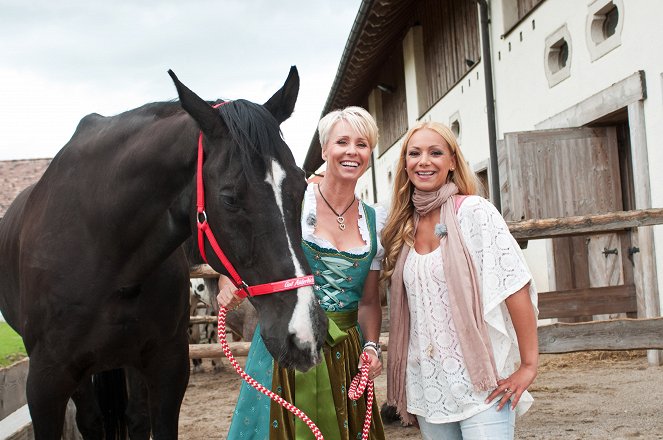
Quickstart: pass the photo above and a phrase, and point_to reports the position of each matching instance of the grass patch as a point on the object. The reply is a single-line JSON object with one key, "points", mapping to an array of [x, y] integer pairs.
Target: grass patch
{"points": [[11, 346]]}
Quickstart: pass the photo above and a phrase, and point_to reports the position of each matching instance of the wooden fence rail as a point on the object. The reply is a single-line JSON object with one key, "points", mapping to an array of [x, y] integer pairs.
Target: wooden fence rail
{"points": [[621, 334], [617, 334], [585, 224]]}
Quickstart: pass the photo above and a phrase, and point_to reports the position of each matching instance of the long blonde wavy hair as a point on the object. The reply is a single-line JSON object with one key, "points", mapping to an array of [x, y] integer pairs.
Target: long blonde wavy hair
{"points": [[399, 229]]}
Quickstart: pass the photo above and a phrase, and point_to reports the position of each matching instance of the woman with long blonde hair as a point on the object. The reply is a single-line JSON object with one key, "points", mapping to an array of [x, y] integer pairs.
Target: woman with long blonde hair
{"points": [[399, 227], [463, 346]]}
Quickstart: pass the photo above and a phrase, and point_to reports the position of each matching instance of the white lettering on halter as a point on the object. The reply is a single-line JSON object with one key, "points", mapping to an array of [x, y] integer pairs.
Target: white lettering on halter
{"points": [[300, 323], [305, 281]]}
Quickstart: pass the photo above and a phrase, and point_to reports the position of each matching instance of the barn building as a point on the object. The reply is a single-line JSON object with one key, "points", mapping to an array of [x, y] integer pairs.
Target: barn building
{"points": [[557, 105]]}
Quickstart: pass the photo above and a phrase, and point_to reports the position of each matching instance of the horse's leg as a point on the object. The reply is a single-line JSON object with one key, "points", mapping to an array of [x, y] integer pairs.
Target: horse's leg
{"points": [[48, 389], [88, 414], [167, 375], [138, 416]]}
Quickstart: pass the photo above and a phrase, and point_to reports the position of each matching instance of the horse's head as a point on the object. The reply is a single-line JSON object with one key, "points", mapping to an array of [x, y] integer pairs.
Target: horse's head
{"points": [[253, 197]]}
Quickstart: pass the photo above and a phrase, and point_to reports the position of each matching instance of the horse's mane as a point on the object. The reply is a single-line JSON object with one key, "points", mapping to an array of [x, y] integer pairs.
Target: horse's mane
{"points": [[256, 133]]}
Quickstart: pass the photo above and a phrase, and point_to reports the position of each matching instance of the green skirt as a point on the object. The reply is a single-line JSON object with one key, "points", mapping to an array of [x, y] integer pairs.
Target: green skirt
{"points": [[322, 392]]}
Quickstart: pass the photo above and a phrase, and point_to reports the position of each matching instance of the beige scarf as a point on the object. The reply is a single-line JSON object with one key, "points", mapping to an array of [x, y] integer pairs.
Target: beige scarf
{"points": [[464, 302]]}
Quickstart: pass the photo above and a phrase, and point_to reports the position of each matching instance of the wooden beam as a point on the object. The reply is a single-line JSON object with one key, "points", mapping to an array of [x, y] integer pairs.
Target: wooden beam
{"points": [[617, 334], [585, 224], [204, 351], [622, 93], [203, 319], [587, 302], [202, 271]]}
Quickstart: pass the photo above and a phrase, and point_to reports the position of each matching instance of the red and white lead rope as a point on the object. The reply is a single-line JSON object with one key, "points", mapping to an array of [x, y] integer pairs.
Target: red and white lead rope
{"points": [[357, 387]]}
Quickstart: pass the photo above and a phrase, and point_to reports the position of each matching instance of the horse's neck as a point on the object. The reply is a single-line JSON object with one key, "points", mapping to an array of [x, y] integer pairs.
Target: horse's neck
{"points": [[165, 170], [152, 168], [137, 191]]}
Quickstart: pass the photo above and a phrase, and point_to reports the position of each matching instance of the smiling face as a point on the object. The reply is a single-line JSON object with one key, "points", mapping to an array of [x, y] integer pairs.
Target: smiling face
{"points": [[428, 160], [346, 151]]}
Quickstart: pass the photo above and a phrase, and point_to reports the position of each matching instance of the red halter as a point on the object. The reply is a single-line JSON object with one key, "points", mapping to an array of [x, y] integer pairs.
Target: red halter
{"points": [[204, 231]]}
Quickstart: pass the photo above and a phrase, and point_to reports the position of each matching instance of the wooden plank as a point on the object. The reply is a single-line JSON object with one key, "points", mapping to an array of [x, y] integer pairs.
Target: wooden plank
{"points": [[203, 319], [583, 224], [562, 172], [587, 301], [617, 334], [617, 96], [204, 351], [645, 261]]}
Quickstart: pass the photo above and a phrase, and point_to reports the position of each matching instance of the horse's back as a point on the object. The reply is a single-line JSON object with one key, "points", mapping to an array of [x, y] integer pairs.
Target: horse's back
{"points": [[10, 230]]}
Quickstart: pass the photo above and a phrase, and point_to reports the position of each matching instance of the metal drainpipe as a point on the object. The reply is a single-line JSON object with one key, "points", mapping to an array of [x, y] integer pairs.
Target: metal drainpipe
{"points": [[490, 103], [375, 185]]}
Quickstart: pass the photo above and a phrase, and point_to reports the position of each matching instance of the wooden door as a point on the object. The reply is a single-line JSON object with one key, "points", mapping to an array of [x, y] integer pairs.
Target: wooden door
{"points": [[570, 172]]}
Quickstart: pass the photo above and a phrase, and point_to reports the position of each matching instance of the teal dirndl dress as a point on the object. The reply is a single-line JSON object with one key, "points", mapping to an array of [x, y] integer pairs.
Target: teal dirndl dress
{"points": [[322, 391]]}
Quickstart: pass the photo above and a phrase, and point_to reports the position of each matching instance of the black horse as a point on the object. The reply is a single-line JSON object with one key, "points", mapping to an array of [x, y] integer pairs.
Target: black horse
{"points": [[92, 272]]}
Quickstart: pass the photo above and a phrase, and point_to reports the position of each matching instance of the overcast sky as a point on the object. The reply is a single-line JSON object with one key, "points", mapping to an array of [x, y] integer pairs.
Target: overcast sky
{"points": [[61, 60]]}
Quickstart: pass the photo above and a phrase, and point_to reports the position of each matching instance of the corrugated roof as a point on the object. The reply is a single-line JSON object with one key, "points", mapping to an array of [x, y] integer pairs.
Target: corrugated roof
{"points": [[378, 27]]}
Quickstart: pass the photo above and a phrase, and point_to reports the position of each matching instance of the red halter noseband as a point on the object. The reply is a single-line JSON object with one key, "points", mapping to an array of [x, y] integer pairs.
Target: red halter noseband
{"points": [[204, 231]]}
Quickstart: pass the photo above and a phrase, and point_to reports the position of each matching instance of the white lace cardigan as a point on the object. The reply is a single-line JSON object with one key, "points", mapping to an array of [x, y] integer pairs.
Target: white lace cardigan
{"points": [[438, 385]]}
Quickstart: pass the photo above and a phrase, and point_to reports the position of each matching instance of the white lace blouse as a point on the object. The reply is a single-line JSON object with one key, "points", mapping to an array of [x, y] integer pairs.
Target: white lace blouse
{"points": [[438, 385], [309, 221]]}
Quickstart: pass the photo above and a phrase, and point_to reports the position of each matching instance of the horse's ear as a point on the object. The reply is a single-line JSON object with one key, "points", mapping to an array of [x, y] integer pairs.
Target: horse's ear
{"points": [[207, 117], [282, 104]]}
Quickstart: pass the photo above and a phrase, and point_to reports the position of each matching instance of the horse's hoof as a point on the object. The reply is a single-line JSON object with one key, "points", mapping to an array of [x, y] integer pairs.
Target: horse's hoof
{"points": [[218, 366]]}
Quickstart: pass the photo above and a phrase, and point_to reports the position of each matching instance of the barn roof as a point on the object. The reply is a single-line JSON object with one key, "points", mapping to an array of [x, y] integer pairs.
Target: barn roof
{"points": [[16, 175], [378, 26]]}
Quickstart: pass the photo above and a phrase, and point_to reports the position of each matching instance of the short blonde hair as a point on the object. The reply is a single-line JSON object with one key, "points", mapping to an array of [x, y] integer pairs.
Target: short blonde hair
{"points": [[358, 118]]}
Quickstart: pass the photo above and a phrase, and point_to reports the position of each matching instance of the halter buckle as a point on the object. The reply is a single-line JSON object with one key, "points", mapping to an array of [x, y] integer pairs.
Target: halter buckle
{"points": [[201, 217]]}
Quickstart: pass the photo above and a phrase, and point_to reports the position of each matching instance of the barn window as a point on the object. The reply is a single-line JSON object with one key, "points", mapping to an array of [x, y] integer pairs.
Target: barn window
{"points": [[558, 56], [454, 125], [391, 105], [604, 27], [450, 39]]}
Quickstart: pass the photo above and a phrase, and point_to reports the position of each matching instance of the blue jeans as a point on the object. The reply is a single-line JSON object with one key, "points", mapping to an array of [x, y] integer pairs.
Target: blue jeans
{"points": [[487, 425]]}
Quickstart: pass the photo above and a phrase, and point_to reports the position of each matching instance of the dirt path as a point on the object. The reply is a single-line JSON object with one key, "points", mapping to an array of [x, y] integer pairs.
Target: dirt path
{"points": [[577, 396]]}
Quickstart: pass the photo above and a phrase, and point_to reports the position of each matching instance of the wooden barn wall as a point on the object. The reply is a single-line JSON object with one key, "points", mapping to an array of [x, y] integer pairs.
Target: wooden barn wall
{"points": [[451, 36], [393, 118], [524, 6]]}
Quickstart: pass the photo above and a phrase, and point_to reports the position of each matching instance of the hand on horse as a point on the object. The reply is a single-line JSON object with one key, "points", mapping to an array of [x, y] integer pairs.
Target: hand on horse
{"points": [[227, 297], [513, 387], [375, 366]]}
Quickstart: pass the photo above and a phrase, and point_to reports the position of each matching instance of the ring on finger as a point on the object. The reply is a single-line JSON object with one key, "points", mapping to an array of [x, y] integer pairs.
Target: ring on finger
{"points": [[508, 390]]}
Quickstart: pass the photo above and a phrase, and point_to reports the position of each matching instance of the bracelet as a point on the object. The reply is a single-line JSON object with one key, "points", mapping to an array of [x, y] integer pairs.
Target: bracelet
{"points": [[375, 346]]}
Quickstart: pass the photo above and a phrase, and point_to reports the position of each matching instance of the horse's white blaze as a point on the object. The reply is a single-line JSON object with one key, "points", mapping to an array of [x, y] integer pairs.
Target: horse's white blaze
{"points": [[300, 324]]}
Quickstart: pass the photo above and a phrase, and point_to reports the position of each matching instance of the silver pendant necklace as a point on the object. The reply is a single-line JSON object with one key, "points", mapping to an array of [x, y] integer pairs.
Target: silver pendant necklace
{"points": [[339, 217]]}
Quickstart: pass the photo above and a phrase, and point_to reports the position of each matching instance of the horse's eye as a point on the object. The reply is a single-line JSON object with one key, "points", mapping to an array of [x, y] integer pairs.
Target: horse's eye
{"points": [[230, 203]]}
